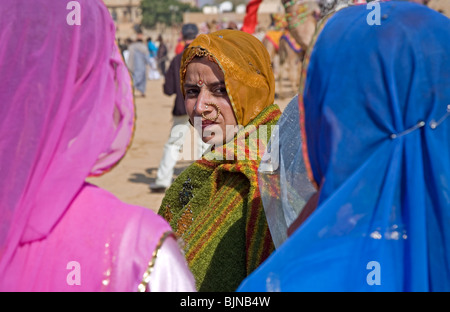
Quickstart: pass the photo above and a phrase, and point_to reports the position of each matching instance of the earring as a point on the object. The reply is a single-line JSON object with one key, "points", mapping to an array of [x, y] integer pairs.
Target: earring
{"points": [[217, 109]]}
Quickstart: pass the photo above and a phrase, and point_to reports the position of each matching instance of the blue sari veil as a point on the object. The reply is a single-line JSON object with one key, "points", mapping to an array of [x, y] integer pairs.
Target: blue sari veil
{"points": [[377, 126]]}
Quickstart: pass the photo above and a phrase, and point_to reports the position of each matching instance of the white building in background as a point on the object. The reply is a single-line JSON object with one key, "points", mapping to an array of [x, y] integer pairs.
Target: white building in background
{"points": [[124, 11], [271, 6], [267, 6], [223, 13], [127, 13]]}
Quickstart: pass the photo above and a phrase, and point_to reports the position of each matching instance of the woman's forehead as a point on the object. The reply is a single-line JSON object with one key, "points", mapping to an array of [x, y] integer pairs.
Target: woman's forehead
{"points": [[203, 67]]}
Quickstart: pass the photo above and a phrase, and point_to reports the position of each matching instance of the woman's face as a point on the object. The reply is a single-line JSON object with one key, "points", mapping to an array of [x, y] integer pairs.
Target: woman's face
{"points": [[205, 86]]}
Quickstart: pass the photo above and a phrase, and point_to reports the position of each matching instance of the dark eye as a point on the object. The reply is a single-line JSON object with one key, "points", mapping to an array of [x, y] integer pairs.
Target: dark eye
{"points": [[193, 92], [222, 90]]}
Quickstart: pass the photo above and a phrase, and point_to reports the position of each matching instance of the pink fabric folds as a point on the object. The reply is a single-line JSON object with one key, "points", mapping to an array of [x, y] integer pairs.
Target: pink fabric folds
{"points": [[100, 244], [66, 112]]}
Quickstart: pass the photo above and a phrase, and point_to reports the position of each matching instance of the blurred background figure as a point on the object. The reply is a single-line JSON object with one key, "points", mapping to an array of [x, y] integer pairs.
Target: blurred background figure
{"points": [[232, 25], [180, 45], [126, 51], [153, 72], [138, 59], [162, 55]]}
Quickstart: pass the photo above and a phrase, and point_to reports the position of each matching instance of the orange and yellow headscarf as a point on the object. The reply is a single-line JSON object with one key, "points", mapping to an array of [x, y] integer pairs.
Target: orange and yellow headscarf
{"points": [[246, 65]]}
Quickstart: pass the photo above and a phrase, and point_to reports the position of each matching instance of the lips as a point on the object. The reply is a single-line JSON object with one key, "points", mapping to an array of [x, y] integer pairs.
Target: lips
{"points": [[207, 123]]}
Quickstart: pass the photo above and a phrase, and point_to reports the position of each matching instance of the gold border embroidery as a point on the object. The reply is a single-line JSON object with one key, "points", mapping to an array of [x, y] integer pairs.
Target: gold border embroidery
{"points": [[146, 277]]}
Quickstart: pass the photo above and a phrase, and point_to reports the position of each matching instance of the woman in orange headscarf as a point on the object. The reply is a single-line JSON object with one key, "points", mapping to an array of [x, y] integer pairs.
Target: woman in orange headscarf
{"points": [[215, 205]]}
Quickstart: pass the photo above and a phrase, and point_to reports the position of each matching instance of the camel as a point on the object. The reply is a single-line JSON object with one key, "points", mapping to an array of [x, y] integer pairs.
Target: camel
{"points": [[305, 22], [286, 58], [300, 23], [291, 56], [303, 16], [302, 19]]}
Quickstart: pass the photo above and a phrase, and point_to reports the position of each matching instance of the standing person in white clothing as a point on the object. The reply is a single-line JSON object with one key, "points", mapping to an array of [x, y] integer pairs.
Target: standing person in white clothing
{"points": [[180, 125]]}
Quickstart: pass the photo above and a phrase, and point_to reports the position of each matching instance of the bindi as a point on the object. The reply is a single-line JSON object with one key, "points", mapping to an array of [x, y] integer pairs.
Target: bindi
{"points": [[200, 83]]}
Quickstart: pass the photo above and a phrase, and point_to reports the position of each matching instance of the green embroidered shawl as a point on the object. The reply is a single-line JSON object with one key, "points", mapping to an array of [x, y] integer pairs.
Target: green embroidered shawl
{"points": [[216, 208]]}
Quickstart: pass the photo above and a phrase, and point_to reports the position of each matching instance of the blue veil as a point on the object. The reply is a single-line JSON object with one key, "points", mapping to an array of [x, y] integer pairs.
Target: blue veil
{"points": [[377, 125]]}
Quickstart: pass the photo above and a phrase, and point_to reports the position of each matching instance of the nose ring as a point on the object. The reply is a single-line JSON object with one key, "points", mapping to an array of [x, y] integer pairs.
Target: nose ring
{"points": [[217, 109]]}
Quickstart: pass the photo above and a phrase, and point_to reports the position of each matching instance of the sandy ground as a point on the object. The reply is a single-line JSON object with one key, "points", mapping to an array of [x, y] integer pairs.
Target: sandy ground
{"points": [[131, 178], [442, 6]]}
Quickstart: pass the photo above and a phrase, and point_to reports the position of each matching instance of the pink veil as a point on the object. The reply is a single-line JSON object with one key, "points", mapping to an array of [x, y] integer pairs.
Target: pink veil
{"points": [[66, 111]]}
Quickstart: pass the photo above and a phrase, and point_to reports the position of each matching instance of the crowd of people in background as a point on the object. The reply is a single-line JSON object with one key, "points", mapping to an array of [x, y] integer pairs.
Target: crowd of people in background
{"points": [[160, 51]]}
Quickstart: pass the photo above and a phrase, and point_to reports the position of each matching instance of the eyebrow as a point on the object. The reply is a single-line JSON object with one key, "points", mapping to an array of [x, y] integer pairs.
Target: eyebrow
{"points": [[214, 84]]}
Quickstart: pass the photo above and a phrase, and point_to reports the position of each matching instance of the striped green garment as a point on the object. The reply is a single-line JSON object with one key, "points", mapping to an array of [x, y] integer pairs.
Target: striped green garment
{"points": [[215, 207]]}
